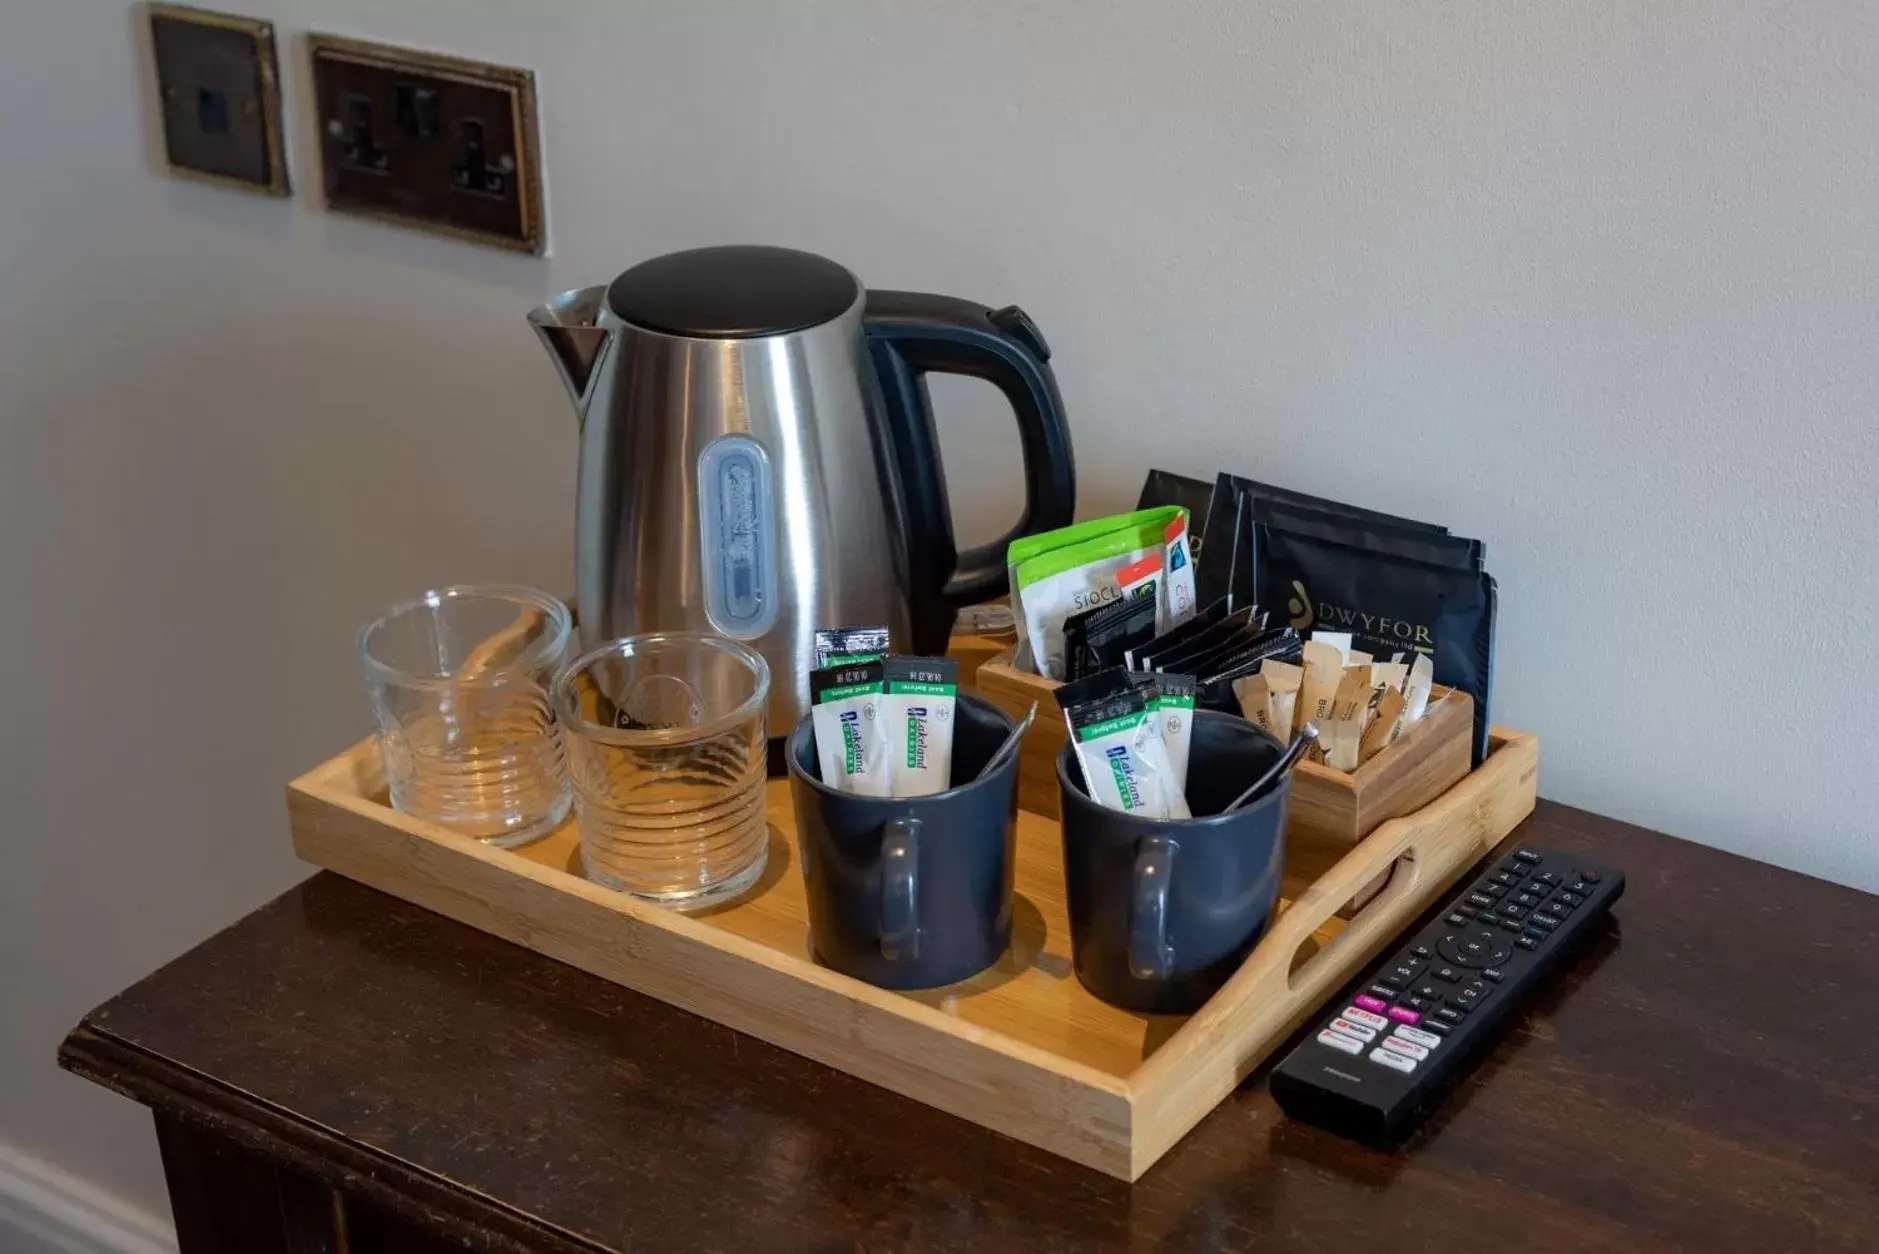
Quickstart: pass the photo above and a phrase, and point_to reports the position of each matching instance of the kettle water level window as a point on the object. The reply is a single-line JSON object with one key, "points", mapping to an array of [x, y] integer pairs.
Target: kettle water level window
{"points": [[737, 520]]}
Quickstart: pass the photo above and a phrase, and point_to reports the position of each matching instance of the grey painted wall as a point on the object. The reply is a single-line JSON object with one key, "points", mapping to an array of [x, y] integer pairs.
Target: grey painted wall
{"points": [[1594, 282]]}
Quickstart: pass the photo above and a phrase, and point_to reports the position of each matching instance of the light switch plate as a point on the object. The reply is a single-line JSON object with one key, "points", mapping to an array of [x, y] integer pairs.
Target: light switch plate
{"points": [[430, 141], [218, 84]]}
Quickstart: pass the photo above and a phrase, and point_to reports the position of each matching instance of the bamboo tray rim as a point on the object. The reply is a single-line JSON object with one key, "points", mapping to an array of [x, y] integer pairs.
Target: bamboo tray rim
{"points": [[1118, 1123], [698, 930]]}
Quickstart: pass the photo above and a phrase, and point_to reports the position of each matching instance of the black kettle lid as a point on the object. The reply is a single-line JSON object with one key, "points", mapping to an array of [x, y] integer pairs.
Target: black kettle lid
{"points": [[735, 291]]}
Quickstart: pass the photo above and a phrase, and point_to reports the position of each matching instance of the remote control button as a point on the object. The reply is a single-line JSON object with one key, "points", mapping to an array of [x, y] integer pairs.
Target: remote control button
{"points": [[1408, 1049], [1481, 900], [1450, 1015], [1395, 1062], [1494, 890], [1456, 920], [1429, 992], [1392, 981], [1420, 1003], [1510, 925], [1494, 975], [1569, 899], [1469, 996], [1422, 953], [1527, 899], [1366, 1018], [1384, 991], [1543, 922], [1448, 975], [1348, 1028], [1580, 887], [1338, 1041], [1437, 1026], [1590, 877], [1428, 1040], [1475, 949], [1526, 855], [1403, 1014], [1559, 907], [1526, 942], [1514, 912], [1507, 879], [1549, 878], [1364, 1001]]}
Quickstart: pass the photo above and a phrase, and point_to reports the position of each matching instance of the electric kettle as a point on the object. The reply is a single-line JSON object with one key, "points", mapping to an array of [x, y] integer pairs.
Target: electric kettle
{"points": [[758, 457]]}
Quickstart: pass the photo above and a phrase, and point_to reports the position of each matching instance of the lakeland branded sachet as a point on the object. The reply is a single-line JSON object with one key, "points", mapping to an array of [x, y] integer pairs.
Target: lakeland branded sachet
{"points": [[1119, 746], [851, 735], [1059, 582], [1025, 548], [839, 646], [1100, 639], [1174, 701], [917, 709]]}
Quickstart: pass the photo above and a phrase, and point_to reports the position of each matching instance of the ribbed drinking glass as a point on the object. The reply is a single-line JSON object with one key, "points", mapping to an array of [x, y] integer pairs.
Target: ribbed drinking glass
{"points": [[666, 748], [459, 681]]}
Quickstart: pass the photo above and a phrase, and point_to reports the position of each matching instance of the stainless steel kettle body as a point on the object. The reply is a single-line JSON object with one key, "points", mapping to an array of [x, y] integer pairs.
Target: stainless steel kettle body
{"points": [[743, 470]]}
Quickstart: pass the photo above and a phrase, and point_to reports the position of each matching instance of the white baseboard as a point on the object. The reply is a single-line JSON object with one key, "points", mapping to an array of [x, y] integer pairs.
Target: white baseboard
{"points": [[44, 1210]]}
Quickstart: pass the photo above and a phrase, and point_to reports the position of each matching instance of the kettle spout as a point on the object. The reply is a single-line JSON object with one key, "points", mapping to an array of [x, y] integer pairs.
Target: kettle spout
{"points": [[569, 327]]}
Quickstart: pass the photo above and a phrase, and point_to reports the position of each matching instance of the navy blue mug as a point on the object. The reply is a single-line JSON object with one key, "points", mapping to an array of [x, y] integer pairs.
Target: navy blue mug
{"points": [[1163, 911], [911, 892]]}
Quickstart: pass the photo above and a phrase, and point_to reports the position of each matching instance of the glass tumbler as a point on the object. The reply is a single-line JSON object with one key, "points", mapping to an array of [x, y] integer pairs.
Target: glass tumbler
{"points": [[459, 681], [666, 747]]}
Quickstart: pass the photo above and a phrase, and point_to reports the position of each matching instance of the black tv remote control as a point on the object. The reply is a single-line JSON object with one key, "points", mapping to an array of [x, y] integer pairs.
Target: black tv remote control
{"points": [[1381, 1060]]}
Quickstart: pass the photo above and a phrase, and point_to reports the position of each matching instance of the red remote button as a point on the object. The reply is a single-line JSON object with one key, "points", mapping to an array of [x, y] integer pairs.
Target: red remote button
{"points": [[1403, 1014], [1374, 1004]]}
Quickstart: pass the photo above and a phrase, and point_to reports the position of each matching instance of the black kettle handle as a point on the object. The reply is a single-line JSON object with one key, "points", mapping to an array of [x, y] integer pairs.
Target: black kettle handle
{"points": [[912, 334]]}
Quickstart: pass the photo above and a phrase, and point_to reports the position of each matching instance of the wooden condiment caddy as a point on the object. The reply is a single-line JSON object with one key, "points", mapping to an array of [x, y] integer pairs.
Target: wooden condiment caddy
{"points": [[1331, 810]]}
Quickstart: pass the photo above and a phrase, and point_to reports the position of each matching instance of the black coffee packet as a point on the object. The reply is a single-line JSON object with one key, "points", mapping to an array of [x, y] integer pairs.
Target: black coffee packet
{"points": [[1225, 570], [1215, 686], [1212, 661], [1389, 604], [1164, 487], [1160, 656], [1366, 533], [1169, 639], [1096, 640]]}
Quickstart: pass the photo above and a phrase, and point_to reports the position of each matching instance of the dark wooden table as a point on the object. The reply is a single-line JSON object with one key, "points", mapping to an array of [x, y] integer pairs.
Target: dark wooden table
{"points": [[342, 1072]]}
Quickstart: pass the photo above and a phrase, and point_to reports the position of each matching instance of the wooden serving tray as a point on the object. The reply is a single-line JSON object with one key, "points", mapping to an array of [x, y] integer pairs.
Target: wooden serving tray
{"points": [[1020, 1048]]}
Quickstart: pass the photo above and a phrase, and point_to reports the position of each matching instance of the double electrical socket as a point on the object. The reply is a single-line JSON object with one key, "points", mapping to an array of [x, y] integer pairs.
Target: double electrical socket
{"points": [[425, 140]]}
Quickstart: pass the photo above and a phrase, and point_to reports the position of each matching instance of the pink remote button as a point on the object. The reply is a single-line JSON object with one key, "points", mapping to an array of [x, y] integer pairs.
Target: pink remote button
{"points": [[1376, 1004], [1403, 1014]]}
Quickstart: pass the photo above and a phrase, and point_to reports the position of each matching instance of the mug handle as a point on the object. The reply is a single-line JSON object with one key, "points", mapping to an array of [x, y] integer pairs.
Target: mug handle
{"points": [[1150, 955], [900, 889]]}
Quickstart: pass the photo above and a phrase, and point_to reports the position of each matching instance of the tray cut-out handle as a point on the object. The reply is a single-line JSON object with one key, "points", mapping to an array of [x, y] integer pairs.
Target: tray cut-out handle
{"points": [[1274, 991]]}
